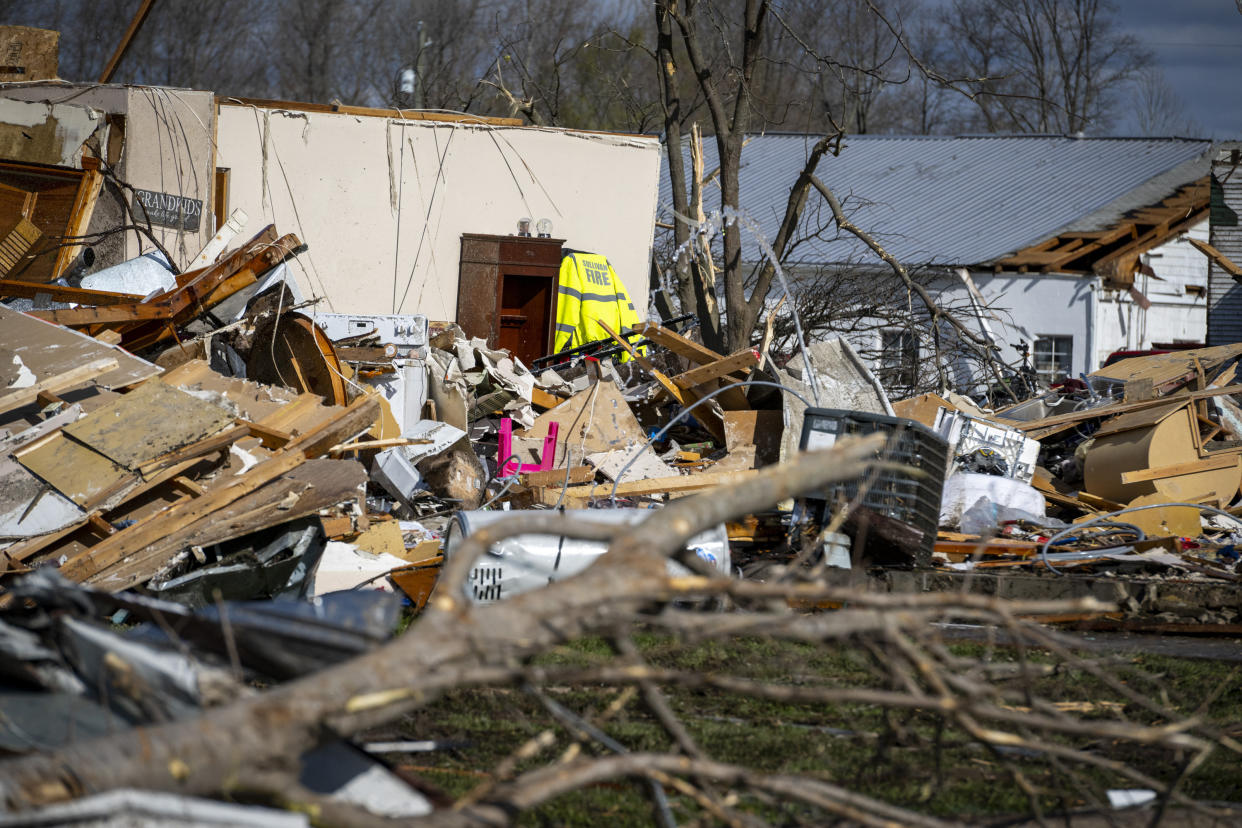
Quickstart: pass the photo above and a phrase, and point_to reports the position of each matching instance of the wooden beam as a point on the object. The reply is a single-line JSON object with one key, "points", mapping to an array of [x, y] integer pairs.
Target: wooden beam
{"points": [[1215, 255], [62, 293], [1123, 408], [744, 360], [1145, 241], [130, 33], [90, 562], [555, 478], [659, 485], [678, 344], [1215, 463], [80, 215]]}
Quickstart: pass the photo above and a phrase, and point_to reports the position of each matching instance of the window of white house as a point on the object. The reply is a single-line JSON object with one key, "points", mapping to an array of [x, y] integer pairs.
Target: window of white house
{"points": [[899, 359], [1054, 357]]}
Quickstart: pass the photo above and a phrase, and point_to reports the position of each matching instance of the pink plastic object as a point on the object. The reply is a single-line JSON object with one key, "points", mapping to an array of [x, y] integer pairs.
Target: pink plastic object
{"points": [[505, 450]]}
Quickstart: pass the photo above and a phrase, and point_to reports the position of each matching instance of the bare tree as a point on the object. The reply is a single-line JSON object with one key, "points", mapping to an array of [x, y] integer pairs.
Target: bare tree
{"points": [[1046, 66], [1158, 109]]}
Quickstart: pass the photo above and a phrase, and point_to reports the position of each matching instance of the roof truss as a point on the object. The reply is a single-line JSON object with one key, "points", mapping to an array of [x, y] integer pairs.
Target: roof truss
{"points": [[1113, 252]]}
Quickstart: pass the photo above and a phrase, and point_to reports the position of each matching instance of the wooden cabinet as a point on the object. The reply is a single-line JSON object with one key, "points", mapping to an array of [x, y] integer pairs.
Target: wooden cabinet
{"points": [[506, 292]]}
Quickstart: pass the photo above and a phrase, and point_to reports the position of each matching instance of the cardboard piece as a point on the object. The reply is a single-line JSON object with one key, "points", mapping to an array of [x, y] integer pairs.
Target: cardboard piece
{"points": [[591, 421], [761, 429]]}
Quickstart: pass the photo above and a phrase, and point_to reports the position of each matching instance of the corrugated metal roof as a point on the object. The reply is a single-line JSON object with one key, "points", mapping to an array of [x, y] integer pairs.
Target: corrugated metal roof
{"points": [[962, 200]]}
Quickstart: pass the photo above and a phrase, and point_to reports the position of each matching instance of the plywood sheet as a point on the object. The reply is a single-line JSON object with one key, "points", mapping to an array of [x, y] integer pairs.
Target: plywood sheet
{"points": [[243, 398], [46, 350], [148, 422], [30, 507], [1162, 368], [1141, 419], [79, 473]]}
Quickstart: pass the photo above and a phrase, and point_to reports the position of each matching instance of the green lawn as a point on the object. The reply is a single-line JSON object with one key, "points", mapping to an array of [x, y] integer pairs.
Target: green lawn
{"points": [[901, 757]]}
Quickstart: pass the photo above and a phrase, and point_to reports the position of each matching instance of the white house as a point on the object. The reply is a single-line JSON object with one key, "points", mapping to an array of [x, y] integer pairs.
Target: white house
{"points": [[1076, 246]]}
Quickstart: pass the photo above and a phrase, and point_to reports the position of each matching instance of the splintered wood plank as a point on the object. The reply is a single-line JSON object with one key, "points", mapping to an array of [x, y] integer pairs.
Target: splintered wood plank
{"points": [[659, 485], [742, 361], [301, 491], [1209, 464], [667, 384], [556, 477], [24, 550], [1225, 263], [151, 421], [163, 523], [678, 344]]}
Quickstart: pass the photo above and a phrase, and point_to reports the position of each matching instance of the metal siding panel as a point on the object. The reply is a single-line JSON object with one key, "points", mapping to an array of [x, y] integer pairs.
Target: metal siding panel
{"points": [[1224, 294], [955, 200]]}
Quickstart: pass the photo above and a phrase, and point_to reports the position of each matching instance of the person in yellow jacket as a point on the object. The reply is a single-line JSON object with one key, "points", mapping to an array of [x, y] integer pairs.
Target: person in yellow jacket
{"points": [[588, 292]]}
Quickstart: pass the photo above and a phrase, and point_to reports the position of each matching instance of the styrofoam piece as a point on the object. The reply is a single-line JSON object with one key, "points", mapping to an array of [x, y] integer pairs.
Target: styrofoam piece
{"points": [[344, 566], [527, 562], [963, 490], [143, 276], [966, 434]]}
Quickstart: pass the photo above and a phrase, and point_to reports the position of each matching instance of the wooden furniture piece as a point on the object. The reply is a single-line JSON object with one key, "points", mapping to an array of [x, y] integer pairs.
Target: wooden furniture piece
{"points": [[506, 292]]}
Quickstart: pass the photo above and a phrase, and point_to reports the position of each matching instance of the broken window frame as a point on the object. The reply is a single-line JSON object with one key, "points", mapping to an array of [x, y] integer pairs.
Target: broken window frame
{"points": [[1055, 364], [898, 363]]}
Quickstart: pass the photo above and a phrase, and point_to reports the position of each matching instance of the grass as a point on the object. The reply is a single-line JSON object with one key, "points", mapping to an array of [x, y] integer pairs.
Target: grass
{"points": [[890, 756]]}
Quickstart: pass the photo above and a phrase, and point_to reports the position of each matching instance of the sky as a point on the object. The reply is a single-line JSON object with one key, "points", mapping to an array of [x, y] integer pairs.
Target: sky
{"points": [[1198, 44]]}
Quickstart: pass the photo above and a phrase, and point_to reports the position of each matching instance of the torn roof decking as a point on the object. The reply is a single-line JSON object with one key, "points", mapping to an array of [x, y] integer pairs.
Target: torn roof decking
{"points": [[974, 200]]}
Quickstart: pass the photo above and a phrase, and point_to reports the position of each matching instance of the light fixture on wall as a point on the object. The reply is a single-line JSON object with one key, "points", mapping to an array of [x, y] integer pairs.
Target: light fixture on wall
{"points": [[544, 228], [524, 226]]}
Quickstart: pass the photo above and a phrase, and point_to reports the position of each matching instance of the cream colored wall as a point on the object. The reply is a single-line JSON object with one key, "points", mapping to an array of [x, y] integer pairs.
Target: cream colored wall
{"points": [[382, 203], [168, 149]]}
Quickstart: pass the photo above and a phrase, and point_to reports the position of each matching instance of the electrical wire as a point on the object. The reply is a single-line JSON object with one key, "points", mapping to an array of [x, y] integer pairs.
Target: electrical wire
{"points": [[1043, 550]]}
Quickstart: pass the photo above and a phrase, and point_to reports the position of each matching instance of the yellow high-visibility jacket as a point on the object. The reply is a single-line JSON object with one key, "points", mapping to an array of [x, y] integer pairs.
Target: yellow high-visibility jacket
{"points": [[589, 291]]}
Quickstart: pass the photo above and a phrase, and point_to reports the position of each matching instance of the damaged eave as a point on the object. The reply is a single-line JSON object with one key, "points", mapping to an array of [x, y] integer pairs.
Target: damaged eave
{"points": [[1112, 252]]}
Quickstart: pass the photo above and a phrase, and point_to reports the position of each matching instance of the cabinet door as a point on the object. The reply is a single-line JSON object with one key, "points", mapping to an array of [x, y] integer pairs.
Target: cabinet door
{"points": [[525, 315]]}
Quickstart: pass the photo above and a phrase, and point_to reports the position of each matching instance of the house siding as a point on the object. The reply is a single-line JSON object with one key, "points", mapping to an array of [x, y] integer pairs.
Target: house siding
{"points": [[1225, 295]]}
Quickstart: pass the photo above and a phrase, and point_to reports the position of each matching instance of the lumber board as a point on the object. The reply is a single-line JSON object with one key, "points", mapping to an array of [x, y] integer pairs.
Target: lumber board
{"points": [[556, 477], [1072, 417], [1208, 464], [344, 424], [1221, 259], [667, 384], [23, 550], [744, 360], [161, 524], [18, 397], [678, 344], [659, 485], [64, 293], [303, 491]]}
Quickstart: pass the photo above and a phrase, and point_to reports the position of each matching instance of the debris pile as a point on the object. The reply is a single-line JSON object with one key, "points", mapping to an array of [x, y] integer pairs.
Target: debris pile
{"points": [[1132, 472]]}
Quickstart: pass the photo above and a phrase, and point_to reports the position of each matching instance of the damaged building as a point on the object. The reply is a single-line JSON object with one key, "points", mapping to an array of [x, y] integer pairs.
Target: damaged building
{"points": [[278, 379]]}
